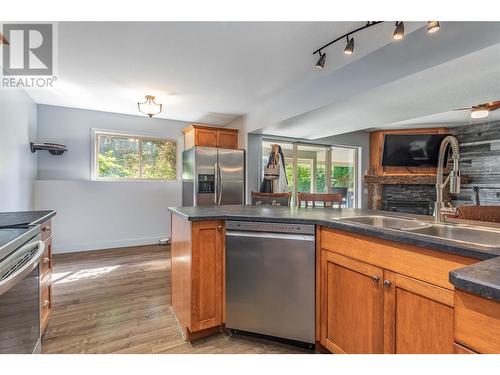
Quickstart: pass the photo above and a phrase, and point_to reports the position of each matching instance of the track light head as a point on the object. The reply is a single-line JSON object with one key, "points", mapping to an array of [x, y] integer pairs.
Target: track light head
{"points": [[321, 61], [399, 32], [432, 26], [349, 48]]}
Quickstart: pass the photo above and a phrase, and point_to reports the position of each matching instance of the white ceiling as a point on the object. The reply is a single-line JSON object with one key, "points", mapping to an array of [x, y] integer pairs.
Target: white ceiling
{"points": [[213, 72], [398, 84], [207, 72]]}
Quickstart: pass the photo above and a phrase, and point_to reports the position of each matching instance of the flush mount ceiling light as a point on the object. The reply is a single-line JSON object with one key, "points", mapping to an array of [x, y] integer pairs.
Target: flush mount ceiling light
{"points": [[3, 40], [349, 48], [150, 107], [479, 112], [399, 32], [321, 61], [432, 26]]}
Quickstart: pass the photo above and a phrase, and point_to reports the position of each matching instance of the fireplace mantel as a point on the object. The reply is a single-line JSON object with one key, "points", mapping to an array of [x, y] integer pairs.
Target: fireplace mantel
{"points": [[375, 185], [401, 179]]}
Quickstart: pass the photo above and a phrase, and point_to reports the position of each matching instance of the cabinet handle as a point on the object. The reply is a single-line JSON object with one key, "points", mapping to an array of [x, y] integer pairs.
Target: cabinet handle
{"points": [[375, 278], [387, 283], [45, 303], [219, 227], [45, 229], [46, 260]]}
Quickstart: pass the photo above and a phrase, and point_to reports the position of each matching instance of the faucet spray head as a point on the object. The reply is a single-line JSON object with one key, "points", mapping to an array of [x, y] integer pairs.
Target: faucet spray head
{"points": [[455, 172]]}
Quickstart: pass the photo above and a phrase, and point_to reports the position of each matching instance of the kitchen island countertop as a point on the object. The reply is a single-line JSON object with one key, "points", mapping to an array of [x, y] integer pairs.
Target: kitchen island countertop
{"points": [[482, 278], [25, 217]]}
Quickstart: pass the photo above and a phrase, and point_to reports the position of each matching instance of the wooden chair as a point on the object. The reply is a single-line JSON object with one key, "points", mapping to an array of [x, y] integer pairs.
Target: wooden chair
{"points": [[325, 198], [270, 199]]}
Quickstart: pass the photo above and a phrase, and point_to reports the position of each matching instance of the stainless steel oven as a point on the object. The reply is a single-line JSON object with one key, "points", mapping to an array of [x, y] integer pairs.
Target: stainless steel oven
{"points": [[20, 294]]}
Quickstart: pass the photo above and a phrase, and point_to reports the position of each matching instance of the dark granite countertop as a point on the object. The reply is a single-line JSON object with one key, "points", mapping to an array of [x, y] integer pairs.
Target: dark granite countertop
{"points": [[25, 217], [482, 278]]}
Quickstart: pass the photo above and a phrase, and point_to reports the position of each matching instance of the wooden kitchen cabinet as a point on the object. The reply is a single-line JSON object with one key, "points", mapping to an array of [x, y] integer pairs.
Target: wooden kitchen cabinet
{"points": [[418, 317], [46, 276], [206, 136], [477, 322], [198, 276], [351, 305], [378, 296]]}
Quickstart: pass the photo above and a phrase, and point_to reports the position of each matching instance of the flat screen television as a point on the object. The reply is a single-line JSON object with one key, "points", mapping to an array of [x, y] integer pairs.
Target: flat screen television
{"points": [[411, 150]]}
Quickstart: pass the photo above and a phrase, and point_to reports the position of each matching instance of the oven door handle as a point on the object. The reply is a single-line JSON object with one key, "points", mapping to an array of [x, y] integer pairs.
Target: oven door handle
{"points": [[21, 273]]}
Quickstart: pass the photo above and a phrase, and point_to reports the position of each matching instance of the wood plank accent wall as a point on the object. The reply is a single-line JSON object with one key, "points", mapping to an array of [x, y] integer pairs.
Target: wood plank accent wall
{"points": [[480, 160]]}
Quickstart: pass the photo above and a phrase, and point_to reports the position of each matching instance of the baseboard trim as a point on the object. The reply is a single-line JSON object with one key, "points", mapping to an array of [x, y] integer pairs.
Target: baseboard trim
{"points": [[95, 246]]}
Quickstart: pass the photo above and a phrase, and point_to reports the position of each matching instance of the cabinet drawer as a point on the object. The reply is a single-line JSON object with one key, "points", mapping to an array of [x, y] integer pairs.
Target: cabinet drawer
{"points": [[46, 229], [423, 264], [46, 260], [45, 305], [477, 323]]}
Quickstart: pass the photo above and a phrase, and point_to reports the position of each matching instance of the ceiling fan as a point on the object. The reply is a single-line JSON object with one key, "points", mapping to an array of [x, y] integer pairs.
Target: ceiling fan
{"points": [[481, 110]]}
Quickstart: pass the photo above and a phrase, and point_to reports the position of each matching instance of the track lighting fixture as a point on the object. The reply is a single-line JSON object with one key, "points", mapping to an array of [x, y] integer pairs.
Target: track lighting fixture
{"points": [[399, 32], [349, 48], [432, 26], [321, 61]]}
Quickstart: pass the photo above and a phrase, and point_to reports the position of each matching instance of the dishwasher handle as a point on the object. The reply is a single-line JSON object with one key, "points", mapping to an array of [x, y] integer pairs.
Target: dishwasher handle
{"points": [[280, 236]]}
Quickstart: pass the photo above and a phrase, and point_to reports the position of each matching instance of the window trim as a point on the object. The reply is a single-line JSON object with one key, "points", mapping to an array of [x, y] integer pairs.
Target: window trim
{"points": [[141, 137]]}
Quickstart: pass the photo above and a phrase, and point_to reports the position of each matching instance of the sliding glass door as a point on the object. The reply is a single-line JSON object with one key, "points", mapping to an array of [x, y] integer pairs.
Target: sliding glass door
{"points": [[316, 168], [312, 168], [344, 163]]}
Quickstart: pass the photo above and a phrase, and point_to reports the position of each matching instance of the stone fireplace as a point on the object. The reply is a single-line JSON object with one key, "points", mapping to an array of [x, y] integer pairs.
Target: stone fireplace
{"points": [[416, 199], [401, 189]]}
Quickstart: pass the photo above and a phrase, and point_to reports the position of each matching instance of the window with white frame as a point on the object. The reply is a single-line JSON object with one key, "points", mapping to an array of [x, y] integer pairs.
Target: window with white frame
{"points": [[133, 157]]}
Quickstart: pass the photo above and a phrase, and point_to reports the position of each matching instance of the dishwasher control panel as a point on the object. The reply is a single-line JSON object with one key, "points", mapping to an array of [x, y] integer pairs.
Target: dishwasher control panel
{"points": [[254, 226]]}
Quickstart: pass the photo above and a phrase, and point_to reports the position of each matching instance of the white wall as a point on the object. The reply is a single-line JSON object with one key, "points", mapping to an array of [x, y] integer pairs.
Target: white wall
{"points": [[17, 163], [359, 139], [101, 214]]}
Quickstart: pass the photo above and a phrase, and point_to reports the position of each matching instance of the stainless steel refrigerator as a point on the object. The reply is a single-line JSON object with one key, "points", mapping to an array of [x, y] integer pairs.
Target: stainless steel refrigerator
{"points": [[213, 176]]}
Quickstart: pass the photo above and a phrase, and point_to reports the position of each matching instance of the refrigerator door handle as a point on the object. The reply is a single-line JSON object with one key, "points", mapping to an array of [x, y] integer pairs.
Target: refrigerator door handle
{"points": [[219, 175], [216, 182]]}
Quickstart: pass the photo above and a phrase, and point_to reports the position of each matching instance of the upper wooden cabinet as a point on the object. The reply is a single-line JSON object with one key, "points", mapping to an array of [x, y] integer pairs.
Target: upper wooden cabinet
{"points": [[206, 136]]}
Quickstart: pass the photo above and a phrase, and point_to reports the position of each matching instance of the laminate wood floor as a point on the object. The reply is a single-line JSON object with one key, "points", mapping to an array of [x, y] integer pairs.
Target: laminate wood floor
{"points": [[118, 301]]}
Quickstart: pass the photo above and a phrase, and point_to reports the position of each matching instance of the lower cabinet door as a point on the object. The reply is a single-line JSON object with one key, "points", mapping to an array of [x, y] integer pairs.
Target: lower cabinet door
{"points": [[418, 317], [351, 307], [45, 305], [207, 274]]}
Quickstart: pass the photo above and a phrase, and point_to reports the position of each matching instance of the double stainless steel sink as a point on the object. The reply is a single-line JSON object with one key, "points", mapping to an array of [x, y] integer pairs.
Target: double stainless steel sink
{"points": [[477, 236]]}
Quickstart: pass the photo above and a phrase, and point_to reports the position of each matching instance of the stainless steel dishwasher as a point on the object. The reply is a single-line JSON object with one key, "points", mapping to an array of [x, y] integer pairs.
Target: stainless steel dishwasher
{"points": [[270, 287]]}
